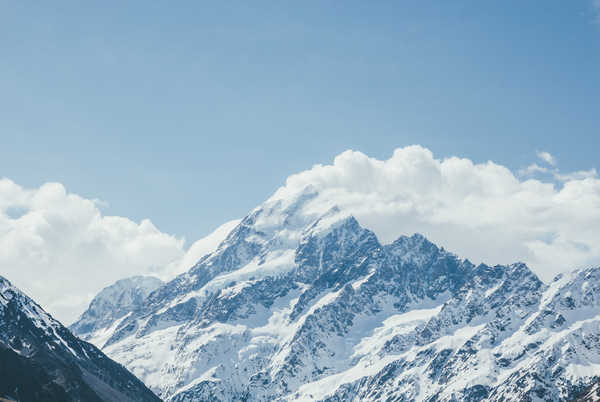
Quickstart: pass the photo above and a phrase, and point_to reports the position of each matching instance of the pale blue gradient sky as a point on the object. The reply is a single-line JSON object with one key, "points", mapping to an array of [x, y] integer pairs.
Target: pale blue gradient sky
{"points": [[192, 113]]}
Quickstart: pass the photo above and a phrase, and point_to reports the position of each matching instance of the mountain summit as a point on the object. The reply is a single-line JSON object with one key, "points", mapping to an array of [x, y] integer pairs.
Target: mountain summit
{"points": [[300, 302], [112, 303]]}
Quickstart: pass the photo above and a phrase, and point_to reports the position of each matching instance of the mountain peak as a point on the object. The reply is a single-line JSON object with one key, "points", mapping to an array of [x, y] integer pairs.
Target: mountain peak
{"points": [[416, 248], [114, 302], [301, 302], [41, 360]]}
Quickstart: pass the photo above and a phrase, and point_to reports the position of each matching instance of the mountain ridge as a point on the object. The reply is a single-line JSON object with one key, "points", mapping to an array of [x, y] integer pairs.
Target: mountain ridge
{"points": [[42, 360], [301, 302], [114, 302]]}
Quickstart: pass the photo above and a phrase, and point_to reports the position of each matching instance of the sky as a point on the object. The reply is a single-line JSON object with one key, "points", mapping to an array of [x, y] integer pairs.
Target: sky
{"points": [[178, 118]]}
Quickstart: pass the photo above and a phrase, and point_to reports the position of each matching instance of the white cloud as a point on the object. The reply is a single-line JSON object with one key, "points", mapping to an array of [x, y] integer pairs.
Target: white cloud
{"points": [[480, 211], [61, 250], [533, 169], [578, 175], [546, 157]]}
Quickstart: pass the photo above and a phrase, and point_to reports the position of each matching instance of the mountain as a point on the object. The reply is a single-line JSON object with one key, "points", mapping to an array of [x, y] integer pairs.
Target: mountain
{"points": [[300, 302], [113, 303], [41, 360], [591, 394]]}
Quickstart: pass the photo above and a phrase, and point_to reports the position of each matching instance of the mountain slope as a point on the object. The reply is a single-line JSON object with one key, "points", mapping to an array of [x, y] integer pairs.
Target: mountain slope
{"points": [[41, 360], [113, 303], [590, 394], [300, 302]]}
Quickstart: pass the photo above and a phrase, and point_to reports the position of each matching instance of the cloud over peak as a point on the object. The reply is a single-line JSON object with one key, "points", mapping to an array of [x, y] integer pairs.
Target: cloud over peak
{"points": [[60, 248], [481, 211]]}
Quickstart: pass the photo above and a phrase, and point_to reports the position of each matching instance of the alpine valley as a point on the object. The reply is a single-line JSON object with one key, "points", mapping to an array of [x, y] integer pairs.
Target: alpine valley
{"points": [[302, 303]]}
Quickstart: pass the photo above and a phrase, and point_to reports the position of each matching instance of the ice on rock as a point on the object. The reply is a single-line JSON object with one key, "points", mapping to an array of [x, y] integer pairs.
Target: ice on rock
{"points": [[300, 302]]}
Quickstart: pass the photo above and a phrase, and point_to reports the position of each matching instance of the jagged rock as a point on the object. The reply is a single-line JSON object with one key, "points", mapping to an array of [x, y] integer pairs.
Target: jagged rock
{"points": [[302, 303], [41, 360]]}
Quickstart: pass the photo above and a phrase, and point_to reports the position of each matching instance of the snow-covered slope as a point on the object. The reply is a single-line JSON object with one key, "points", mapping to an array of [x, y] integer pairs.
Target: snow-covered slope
{"points": [[112, 304], [300, 302], [40, 360]]}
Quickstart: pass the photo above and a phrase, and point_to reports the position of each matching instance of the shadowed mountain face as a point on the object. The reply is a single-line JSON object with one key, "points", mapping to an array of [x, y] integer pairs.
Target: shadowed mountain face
{"points": [[40, 360], [302, 303], [591, 393]]}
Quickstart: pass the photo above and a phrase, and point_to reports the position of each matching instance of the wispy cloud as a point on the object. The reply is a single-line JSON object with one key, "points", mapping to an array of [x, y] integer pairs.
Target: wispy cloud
{"points": [[547, 159], [578, 175], [596, 9], [533, 169], [552, 169], [546, 156]]}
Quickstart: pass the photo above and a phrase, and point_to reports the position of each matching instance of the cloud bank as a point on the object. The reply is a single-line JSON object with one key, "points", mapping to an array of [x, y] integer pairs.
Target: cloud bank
{"points": [[483, 212], [61, 250], [59, 247]]}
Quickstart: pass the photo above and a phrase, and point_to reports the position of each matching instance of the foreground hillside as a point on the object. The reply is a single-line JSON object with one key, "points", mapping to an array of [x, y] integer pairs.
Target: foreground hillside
{"points": [[40, 360], [299, 303]]}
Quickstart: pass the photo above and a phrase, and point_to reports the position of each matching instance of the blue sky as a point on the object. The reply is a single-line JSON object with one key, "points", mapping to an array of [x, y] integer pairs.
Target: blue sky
{"points": [[193, 113]]}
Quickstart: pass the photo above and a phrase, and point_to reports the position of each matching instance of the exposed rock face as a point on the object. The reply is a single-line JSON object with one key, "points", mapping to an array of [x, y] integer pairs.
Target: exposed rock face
{"points": [[40, 360], [591, 393], [305, 304]]}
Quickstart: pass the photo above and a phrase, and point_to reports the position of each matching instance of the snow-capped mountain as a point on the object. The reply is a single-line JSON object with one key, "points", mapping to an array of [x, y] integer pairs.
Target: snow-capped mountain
{"points": [[40, 360], [112, 303], [300, 302]]}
